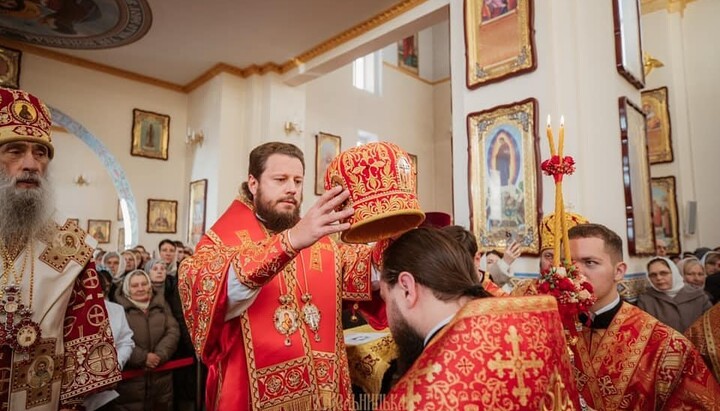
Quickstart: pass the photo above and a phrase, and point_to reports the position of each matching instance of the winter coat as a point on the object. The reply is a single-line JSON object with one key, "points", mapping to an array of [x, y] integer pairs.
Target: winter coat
{"points": [[156, 331], [679, 312]]}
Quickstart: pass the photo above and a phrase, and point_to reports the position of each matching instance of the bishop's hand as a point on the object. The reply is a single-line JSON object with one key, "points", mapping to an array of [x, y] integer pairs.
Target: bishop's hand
{"points": [[322, 219]]}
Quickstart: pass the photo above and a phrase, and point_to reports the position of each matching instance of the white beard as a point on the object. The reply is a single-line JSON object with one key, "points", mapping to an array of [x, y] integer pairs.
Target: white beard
{"points": [[24, 213]]}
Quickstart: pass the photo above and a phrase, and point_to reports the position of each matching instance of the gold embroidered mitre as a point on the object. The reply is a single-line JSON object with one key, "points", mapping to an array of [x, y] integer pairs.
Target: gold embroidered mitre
{"points": [[548, 237], [381, 181], [23, 117]]}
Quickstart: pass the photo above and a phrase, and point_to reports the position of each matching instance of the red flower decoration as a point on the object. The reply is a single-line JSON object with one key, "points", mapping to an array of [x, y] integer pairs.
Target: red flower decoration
{"points": [[571, 290], [556, 167]]}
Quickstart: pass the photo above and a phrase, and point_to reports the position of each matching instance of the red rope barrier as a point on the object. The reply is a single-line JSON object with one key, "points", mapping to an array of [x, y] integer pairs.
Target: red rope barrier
{"points": [[170, 365]]}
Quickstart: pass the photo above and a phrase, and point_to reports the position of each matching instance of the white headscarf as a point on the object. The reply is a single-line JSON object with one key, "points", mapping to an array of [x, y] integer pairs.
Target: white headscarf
{"points": [[677, 280], [705, 257], [143, 305], [121, 267]]}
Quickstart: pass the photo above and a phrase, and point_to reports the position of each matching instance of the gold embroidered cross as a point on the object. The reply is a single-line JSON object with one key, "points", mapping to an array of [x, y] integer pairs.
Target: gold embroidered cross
{"points": [[37, 374], [67, 245], [411, 398], [516, 365]]}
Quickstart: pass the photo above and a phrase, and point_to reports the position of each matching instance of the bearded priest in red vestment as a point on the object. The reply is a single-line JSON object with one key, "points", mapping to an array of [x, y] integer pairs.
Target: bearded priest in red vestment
{"points": [[461, 349], [56, 346], [262, 294]]}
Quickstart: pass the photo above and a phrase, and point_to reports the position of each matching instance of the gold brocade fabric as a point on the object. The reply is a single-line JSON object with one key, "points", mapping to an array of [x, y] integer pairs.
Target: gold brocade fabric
{"points": [[369, 360]]}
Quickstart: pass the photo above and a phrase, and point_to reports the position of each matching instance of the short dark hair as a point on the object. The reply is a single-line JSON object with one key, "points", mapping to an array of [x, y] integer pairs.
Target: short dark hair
{"points": [[462, 236], [612, 241], [436, 260], [259, 156], [166, 241], [179, 244]]}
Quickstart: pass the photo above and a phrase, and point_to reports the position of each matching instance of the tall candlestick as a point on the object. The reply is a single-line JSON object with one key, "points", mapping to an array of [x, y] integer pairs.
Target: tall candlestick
{"points": [[561, 143], [550, 136]]}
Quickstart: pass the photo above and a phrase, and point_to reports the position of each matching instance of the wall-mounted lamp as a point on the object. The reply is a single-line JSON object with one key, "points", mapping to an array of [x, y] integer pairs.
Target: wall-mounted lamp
{"points": [[194, 138], [292, 127], [81, 180]]}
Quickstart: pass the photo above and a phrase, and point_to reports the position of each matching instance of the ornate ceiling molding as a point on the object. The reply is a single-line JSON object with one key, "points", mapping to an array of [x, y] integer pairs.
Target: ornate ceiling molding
{"points": [[219, 68]]}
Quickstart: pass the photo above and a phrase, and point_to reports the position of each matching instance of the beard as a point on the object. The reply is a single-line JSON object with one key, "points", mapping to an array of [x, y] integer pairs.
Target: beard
{"points": [[410, 344], [276, 221], [24, 212]]}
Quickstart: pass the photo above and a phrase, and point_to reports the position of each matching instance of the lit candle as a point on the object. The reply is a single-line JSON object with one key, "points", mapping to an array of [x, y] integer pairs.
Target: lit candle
{"points": [[561, 142], [550, 137]]}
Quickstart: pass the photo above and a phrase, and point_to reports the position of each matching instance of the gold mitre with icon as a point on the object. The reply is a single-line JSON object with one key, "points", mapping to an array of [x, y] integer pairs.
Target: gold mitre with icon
{"points": [[548, 236], [381, 180], [23, 117]]}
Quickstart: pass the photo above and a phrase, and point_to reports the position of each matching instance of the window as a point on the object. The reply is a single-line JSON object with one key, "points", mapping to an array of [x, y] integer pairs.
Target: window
{"points": [[366, 73]]}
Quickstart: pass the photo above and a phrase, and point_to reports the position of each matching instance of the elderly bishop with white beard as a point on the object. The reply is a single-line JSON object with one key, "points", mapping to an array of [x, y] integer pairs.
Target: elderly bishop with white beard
{"points": [[56, 346]]}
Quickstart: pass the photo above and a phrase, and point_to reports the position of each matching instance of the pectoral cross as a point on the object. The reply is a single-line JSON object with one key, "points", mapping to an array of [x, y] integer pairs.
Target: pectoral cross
{"points": [[37, 374]]}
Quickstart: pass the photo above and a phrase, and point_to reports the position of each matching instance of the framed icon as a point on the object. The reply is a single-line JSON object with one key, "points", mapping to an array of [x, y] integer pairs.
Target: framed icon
{"points": [[636, 179], [196, 215], [499, 40], [10, 67], [659, 129], [150, 134], [100, 230], [162, 216], [504, 176], [327, 147], [628, 42]]}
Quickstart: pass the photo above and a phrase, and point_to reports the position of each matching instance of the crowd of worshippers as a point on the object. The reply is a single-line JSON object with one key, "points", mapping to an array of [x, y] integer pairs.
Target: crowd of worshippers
{"points": [[145, 313]]}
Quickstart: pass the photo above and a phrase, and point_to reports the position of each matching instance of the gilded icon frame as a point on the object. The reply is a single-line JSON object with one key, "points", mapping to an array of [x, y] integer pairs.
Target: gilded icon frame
{"points": [[498, 44], [327, 147], [162, 216], [664, 200], [414, 161], [659, 127], [145, 126], [636, 179], [99, 230], [413, 66], [197, 211], [504, 176], [628, 41], [10, 59]]}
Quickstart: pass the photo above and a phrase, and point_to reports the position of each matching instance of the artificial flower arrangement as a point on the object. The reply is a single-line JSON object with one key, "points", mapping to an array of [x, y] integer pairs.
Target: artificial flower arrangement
{"points": [[573, 292]]}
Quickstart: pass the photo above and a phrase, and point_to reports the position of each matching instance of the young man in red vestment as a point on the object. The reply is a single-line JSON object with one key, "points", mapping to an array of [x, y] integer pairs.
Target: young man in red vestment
{"points": [[262, 294], [627, 359], [460, 351], [56, 346]]}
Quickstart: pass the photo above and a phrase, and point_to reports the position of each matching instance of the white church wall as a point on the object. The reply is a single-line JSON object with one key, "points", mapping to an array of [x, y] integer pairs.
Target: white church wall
{"points": [[402, 113], [104, 105]]}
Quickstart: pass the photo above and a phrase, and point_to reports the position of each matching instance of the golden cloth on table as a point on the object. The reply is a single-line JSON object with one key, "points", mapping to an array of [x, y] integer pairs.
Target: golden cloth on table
{"points": [[370, 353]]}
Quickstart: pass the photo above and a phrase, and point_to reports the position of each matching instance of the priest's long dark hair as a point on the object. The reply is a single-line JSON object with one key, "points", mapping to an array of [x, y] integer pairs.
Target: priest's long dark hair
{"points": [[436, 261]]}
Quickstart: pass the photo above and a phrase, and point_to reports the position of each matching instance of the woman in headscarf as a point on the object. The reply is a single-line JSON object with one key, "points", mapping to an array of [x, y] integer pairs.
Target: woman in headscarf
{"points": [[113, 263], [711, 262], [131, 262], [693, 272], [184, 378], [156, 334], [669, 299]]}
